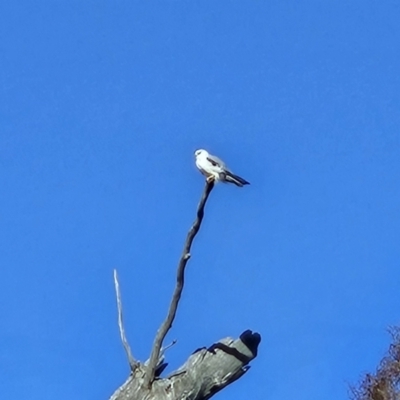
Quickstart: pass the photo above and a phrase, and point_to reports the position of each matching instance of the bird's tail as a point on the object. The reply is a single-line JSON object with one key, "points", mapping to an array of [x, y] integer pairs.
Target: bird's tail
{"points": [[237, 180]]}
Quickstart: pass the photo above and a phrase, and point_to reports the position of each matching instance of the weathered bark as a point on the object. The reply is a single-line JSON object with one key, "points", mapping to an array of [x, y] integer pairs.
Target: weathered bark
{"points": [[205, 373]]}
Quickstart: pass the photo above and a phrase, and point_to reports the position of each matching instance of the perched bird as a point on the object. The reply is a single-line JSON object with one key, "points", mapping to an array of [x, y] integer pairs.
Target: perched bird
{"points": [[215, 169]]}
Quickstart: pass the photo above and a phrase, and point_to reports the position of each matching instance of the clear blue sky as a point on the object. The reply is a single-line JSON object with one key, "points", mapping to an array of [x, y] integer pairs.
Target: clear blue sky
{"points": [[103, 104]]}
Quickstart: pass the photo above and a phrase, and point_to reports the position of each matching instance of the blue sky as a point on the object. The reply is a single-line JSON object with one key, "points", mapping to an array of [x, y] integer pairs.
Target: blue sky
{"points": [[103, 104]]}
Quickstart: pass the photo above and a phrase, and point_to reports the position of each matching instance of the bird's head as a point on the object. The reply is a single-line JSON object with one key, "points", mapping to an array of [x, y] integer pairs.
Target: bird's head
{"points": [[200, 152]]}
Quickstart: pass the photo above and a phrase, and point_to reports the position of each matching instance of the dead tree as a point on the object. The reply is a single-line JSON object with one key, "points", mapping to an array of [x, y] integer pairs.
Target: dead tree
{"points": [[206, 371], [384, 384]]}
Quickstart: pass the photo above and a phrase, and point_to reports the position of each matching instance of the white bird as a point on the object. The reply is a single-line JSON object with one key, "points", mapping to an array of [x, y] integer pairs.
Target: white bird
{"points": [[215, 169]]}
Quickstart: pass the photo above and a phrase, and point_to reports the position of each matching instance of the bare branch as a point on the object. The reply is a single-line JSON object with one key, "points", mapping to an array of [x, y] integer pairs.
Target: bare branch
{"points": [[132, 362], [180, 279]]}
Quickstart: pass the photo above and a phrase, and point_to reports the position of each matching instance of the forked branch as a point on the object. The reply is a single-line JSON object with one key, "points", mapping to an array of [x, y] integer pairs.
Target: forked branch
{"points": [[180, 279]]}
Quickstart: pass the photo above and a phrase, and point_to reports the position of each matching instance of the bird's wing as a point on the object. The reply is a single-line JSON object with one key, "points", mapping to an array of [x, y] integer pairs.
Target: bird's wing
{"points": [[215, 161]]}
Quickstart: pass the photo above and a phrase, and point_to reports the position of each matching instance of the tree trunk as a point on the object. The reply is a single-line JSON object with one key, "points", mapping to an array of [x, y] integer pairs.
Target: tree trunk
{"points": [[205, 373]]}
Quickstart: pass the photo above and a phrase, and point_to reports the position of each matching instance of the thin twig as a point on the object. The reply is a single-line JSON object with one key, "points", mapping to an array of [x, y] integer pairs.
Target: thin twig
{"points": [[132, 362], [180, 279], [169, 346]]}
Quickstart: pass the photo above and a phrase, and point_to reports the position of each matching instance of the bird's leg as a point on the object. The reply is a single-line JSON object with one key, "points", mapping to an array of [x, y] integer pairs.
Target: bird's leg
{"points": [[210, 178]]}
